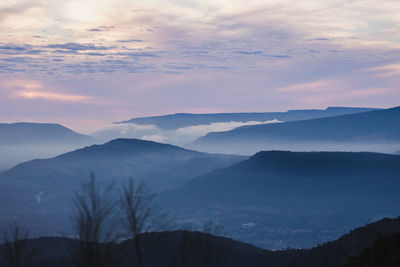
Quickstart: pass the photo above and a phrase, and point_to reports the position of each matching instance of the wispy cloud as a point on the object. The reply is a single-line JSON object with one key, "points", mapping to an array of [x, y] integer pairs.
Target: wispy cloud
{"points": [[258, 52], [78, 47], [130, 41], [31, 89], [304, 87], [50, 96], [26, 84], [385, 70]]}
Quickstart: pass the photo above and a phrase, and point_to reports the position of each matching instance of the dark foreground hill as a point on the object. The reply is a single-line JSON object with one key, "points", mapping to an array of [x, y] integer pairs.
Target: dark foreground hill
{"points": [[351, 132], [195, 249], [41, 191], [295, 197], [384, 252], [179, 120]]}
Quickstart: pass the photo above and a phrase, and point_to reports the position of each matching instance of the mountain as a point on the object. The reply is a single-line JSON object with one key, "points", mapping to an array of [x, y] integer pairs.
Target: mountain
{"points": [[285, 199], [41, 191], [180, 120], [195, 249], [39, 133], [348, 132], [24, 141]]}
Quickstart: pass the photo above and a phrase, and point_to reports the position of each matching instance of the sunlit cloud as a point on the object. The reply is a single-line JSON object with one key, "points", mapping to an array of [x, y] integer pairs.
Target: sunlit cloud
{"points": [[27, 84], [386, 70], [49, 96], [311, 86], [31, 89]]}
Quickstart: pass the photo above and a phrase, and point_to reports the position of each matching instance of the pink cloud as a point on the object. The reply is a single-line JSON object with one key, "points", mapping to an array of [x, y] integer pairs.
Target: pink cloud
{"points": [[31, 89], [311, 86], [50, 96], [27, 84], [386, 70]]}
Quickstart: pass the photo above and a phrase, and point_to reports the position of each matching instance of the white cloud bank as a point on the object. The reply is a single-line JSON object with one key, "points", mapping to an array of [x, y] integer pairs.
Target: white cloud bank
{"points": [[180, 136]]}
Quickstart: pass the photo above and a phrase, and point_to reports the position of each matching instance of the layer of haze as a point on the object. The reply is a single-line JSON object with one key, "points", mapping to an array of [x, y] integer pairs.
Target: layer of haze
{"points": [[181, 136], [87, 63]]}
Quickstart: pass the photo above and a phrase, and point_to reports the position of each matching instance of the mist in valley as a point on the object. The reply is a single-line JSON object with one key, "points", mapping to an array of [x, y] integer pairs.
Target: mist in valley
{"points": [[11, 155]]}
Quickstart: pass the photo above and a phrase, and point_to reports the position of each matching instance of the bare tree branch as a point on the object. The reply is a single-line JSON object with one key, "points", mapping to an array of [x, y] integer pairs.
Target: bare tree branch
{"points": [[94, 226], [140, 215]]}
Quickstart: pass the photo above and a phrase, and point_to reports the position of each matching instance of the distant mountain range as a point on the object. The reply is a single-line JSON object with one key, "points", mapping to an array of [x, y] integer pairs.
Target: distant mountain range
{"points": [[373, 245], [39, 133], [372, 127], [25, 141], [44, 189], [292, 190], [180, 120]]}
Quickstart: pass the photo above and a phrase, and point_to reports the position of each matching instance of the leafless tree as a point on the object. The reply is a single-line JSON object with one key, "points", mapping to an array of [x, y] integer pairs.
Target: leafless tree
{"points": [[15, 249], [94, 226], [139, 215]]}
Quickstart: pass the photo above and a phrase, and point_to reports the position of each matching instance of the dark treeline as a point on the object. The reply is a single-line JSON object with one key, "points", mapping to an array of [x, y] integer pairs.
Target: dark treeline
{"points": [[130, 231], [196, 249]]}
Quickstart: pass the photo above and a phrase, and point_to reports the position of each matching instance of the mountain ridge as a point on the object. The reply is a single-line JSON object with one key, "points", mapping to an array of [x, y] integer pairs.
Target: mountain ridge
{"points": [[377, 131], [28, 132], [324, 121], [179, 120]]}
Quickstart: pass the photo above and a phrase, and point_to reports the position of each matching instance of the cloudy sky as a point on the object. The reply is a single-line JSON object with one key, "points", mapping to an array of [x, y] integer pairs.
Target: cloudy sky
{"points": [[85, 63]]}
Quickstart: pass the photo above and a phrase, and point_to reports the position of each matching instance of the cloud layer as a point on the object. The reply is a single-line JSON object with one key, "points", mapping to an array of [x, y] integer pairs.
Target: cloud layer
{"points": [[110, 60]]}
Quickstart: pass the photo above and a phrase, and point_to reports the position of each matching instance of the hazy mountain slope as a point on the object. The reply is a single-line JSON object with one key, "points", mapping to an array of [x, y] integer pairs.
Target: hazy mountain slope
{"points": [[293, 197], [194, 249], [36, 133], [179, 120], [44, 188], [373, 127], [21, 142], [281, 177]]}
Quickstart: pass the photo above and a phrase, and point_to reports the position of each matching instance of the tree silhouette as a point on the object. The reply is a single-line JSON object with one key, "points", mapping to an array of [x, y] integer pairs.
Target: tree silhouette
{"points": [[93, 222], [139, 215]]}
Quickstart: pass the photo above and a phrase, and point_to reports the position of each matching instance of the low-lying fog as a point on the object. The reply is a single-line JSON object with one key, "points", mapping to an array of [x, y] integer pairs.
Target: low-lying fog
{"points": [[250, 148], [187, 135], [180, 137], [13, 155]]}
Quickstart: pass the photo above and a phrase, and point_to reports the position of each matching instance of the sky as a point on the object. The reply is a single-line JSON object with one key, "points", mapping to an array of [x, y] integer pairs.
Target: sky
{"points": [[86, 63]]}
